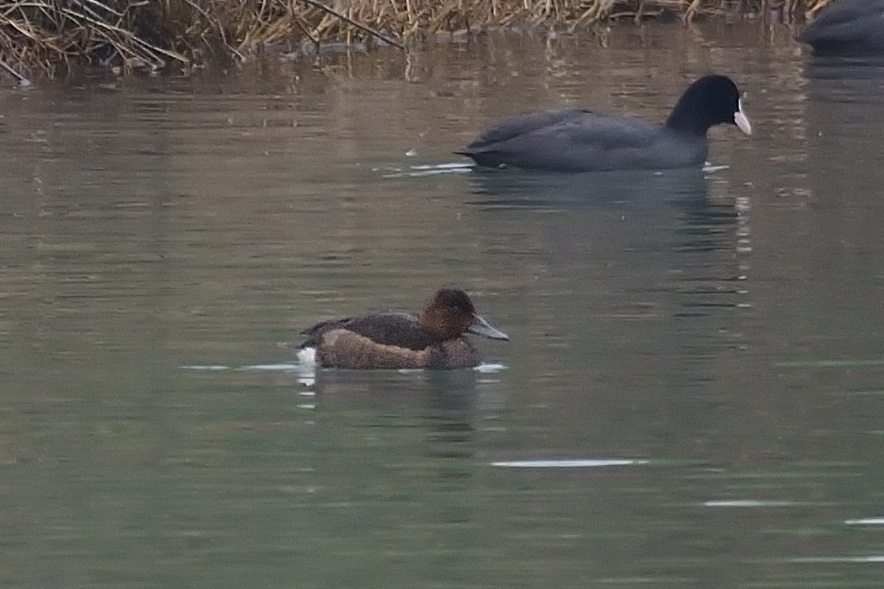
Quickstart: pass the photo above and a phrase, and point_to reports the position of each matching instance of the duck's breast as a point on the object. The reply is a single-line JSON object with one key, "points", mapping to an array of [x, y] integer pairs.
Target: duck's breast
{"points": [[454, 353]]}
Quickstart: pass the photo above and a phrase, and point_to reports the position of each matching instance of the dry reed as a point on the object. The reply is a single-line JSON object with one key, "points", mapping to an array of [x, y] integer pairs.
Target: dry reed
{"points": [[51, 35]]}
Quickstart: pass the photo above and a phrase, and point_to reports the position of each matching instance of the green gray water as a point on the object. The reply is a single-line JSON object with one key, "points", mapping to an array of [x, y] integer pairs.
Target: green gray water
{"points": [[717, 335]]}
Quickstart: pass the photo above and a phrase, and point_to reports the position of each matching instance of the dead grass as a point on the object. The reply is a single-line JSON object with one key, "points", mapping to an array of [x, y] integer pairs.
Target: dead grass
{"points": [[48, 36]]}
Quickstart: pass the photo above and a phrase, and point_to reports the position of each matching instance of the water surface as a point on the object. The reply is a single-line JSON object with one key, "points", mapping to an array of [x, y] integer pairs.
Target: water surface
{"points": [[691, 397]]}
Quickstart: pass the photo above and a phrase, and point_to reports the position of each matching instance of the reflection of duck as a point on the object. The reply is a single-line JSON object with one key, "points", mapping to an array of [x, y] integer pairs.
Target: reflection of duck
{"points": [[583, 141], [434, 338], [848, 26]]}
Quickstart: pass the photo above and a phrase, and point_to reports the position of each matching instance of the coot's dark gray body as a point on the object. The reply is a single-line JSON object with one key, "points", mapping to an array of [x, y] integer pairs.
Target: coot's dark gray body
{"points": [[847, 27], [584, 141]]}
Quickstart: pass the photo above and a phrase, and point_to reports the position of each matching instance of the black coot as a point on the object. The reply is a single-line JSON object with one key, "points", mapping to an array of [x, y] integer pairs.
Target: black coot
{"points": [[584, 141], [847, 27]]}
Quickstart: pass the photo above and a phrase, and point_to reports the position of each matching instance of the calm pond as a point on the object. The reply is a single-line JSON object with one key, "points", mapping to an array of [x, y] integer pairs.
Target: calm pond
{"points": [[693, 393]]}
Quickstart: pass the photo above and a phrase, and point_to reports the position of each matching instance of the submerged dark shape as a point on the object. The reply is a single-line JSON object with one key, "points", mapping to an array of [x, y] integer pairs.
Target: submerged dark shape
{"points": [[849, 27], [583, 141], [433, 338]]}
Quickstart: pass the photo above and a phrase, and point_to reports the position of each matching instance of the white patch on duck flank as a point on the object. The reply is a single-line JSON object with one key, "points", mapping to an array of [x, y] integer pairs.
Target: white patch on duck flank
{"points": [[307, 356]]}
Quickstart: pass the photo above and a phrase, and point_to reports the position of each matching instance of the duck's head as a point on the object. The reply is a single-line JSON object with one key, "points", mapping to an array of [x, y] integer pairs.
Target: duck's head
{"points": [[711, 100], [451, 313]]}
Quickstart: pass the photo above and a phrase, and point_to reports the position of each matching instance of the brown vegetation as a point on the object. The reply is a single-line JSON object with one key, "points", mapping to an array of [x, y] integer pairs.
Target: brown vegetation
{"points": [[45, 35]]}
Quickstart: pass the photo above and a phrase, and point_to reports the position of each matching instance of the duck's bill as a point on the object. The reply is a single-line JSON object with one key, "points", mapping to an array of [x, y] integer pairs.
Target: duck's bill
{"points": [[741, 120], [482, 327]]}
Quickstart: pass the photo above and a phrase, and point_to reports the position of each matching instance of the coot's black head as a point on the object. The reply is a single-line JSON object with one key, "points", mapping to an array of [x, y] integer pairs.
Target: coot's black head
{"points": [[711, 100]]}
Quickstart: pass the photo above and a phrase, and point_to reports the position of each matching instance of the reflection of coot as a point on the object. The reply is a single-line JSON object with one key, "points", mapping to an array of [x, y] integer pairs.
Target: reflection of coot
{"points": [[845, 95], [847, 27], [648, 258], [844, 117], [607, 190]]}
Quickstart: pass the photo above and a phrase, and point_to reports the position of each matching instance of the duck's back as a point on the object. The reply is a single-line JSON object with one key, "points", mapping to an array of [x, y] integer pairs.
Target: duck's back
{"points": [[389, 328], [583, 141]]}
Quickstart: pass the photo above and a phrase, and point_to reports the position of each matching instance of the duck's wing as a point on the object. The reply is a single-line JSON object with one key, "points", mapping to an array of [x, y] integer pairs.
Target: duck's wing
{"points": [[389, 328], [569, 140]]}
